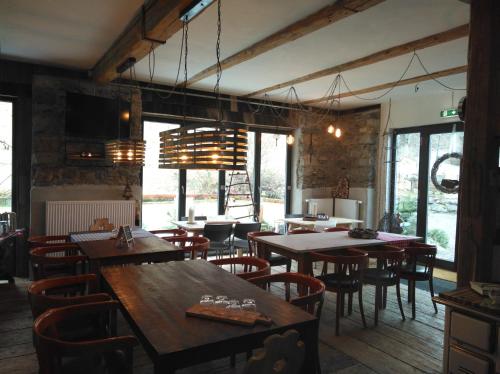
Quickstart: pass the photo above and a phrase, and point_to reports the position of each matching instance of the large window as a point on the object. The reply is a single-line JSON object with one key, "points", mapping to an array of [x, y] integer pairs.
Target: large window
{"points": [[159, 186], [425, 210], [169, 193], [5, 156]]}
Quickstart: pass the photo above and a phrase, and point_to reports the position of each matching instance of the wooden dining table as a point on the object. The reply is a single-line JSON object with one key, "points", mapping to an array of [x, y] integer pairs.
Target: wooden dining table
{"points": [[299, 246], [102, 249], [197, 227], [154, 299]]}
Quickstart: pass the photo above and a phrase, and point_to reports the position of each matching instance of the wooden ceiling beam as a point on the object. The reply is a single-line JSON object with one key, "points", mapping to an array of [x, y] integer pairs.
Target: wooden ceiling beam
{"points": [[160, 21], [400, 50], [325, 16], [380, 87]]}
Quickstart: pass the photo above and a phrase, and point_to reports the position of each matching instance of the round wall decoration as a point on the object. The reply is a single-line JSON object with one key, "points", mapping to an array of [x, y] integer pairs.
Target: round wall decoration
{"points": [[446, 185]]}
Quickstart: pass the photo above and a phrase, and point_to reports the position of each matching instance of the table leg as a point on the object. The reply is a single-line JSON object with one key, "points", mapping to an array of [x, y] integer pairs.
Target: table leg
{"points": [[304, 265], [311, 359]]}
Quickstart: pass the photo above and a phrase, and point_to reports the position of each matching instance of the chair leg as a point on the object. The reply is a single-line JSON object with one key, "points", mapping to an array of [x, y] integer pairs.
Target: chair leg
{"points": [[289, 266], [409, 291], [349, 303], [413, 299], [431, 288], [361, 308], [384, 298], [233, 360], [398, 294], [342, 305], [337, 314], [377, 303]]}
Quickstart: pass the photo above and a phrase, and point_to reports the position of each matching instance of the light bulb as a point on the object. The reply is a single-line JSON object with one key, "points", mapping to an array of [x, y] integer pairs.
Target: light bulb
{"points": [[331, 129], [184, 158], [215, 156], [126, 115], [290, 139], [338, 133]]}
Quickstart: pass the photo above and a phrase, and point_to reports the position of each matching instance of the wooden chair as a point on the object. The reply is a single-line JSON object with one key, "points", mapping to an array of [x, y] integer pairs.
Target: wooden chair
{"points": [[386, 274], [347, 278], [335, 229], [195, 246], [245, 267], [57, 261], [419, 267], [302, 231], [169, 233], [101, 224], [47, 241], [280, 354], [311, 293], [256, 249], [107, 352], [53, 293]]}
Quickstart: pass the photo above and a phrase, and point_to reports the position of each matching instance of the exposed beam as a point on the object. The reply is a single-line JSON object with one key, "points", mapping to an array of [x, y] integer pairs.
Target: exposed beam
{"points": [[420, 78], [324, 17], [428, 41], [161, 20]]}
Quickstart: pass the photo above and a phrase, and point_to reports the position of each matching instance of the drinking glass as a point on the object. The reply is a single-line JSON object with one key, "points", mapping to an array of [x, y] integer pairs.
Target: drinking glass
{"points": [[234, 304], [207, 300], [221, 301], [249, 304]]}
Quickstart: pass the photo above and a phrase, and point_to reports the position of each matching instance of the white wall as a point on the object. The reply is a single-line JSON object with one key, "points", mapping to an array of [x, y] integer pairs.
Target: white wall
{"points": [[418, 110]]}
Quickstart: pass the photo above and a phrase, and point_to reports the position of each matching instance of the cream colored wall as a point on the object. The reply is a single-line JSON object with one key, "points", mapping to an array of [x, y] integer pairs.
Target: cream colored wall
{"points": [[418, 110]]}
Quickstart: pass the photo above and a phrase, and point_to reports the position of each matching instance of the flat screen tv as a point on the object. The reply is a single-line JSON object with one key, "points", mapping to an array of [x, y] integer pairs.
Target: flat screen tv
{"points": [[96, 117]]}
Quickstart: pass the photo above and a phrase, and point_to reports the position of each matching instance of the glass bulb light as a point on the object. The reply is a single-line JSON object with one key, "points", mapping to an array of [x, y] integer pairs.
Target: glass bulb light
{"points": [[290, 139], [331, 129], [338, 133]]}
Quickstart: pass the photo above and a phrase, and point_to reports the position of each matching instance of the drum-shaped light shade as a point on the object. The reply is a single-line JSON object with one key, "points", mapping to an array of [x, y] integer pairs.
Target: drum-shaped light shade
{"points": [[126, 152]]}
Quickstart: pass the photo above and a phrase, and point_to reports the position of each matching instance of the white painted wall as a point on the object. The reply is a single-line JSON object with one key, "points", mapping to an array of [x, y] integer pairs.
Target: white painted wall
{"points": [[418, 110]]}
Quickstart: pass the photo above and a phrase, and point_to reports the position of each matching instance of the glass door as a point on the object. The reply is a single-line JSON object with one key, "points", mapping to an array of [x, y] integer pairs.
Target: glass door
{"points": [[424, 192], [5, 156]]}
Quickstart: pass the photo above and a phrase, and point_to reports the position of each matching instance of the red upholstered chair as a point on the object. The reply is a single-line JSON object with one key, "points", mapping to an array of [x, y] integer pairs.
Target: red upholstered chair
{"points": [[256, 249], [195, 246], [105, 353], [244, 267]]}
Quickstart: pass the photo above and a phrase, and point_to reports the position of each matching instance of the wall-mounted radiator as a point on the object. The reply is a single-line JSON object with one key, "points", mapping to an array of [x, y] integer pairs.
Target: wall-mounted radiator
{"points": [[63, 217]]}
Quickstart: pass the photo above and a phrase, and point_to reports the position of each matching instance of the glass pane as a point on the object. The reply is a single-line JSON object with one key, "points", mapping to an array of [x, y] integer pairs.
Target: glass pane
{"points": [[406, 181], [5, 156], [442, 206], [160, 186], [202, 192], [273, 178], [237, 203]]}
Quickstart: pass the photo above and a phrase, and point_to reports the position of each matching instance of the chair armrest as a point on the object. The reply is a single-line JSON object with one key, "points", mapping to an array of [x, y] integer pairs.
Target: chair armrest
{"points": [[96, 346]]}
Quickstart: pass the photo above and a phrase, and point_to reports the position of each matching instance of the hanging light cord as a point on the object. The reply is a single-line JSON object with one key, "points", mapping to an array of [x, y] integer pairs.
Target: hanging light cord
{"points": [[184, 97], [219, 66]]}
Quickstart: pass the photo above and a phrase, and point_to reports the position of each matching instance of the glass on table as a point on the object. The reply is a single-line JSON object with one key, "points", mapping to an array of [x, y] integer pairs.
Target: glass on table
{"points": [[207, 300], [234, 304], [221, 301], [249, 304]]}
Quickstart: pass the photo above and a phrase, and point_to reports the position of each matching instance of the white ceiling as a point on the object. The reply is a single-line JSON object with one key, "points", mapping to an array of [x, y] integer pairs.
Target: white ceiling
{"points": [[70, 33], [75, 33]]}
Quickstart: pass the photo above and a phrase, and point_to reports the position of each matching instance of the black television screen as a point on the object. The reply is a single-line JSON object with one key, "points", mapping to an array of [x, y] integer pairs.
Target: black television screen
{"points": [[96, 117]]}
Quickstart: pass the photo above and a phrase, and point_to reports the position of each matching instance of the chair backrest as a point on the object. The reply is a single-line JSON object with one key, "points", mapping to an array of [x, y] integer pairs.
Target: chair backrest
{"points": [[294, 215], [101, 224], [311, 290], [51, 346], [254, 248], [169, 232], [302, 231], [196, 246], [389, 258], [218, 232], [196, 218], [55, 260], [348, 266], [281, 353], [47, 241], [245, 267], [242, 229], [335, 229], [421, 254], [57, 292]]}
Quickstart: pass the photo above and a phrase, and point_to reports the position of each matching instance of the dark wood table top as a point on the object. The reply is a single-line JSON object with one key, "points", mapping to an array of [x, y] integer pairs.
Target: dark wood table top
{"points": [[155, 298], [108, 249]]}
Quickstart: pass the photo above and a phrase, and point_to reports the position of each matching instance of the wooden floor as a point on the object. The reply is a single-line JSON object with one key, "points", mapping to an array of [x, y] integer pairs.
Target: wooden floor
{"points": [[413, 346]]}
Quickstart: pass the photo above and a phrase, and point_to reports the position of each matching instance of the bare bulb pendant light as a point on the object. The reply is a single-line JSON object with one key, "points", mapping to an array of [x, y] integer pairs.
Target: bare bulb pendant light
{"points": [[331, 129], [290, 139], [213, 145]]}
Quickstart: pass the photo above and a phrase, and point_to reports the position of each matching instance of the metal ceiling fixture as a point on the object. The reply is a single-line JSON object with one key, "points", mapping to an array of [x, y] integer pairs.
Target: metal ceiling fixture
{"points": [[219, 145]]}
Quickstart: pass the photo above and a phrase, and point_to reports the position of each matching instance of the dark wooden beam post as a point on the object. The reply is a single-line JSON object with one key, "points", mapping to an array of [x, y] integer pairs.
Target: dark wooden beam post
{"points": [[479, 193]]}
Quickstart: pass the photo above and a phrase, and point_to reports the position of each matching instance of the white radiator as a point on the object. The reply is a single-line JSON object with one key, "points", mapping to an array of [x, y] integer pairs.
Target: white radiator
{"points": [[63, 217]]}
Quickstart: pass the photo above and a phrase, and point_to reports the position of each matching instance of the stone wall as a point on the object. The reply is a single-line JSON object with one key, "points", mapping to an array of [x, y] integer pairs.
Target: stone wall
{"points": [[52, 176], [320, 159]]}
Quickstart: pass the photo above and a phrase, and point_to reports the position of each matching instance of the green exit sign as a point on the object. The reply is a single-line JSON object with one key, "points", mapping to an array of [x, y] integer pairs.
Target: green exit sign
{"points": [[449, 113]]}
